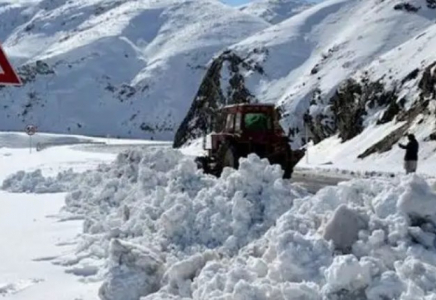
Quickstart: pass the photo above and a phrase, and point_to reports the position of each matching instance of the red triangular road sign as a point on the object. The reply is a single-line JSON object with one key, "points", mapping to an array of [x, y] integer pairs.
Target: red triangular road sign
{"points": [[7, 73]]}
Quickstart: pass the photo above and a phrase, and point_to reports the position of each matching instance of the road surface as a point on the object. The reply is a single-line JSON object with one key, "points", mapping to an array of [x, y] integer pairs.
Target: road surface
{"points": [[314, 182]]}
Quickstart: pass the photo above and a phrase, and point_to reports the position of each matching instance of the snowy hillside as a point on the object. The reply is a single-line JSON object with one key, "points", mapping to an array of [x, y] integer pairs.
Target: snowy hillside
{"points": [[275, 11], [300, 63], [398, 93], [126, 68]]}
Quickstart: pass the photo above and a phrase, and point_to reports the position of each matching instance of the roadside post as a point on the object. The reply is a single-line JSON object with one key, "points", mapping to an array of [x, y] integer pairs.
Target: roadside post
{"points": [[307, 142], [30, 130]]}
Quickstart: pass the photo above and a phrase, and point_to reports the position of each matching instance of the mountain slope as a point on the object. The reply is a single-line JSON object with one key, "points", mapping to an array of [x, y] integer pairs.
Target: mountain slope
{"points": [[299, 63], [407, 75], [275, 11], [126, 68]]}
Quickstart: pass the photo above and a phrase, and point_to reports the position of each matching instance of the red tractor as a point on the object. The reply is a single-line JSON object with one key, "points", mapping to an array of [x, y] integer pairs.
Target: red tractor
{"points": [[249, 128]]}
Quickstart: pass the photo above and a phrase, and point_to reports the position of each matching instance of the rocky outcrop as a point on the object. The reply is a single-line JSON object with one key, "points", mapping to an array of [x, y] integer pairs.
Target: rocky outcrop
{"points": [[346, 109], [385, 144], [222, 85], [431, 4], [428, 82], [355, 99], [427, 85], [406, 7]]}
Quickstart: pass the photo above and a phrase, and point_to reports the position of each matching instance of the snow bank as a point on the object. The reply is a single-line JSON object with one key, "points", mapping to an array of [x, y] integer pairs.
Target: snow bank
{"points": [[159, 200], [167, 231], [35, 182]]}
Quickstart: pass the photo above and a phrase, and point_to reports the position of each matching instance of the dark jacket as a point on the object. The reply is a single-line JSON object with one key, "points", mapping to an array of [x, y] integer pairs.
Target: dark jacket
{"points": [[412, 149]]}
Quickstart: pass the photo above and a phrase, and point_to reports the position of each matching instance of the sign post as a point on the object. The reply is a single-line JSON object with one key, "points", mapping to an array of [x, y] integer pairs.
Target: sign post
{"points": [[30, 130]]}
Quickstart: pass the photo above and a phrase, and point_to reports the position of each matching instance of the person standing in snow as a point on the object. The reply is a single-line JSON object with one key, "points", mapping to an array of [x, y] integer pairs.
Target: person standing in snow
{"points": [[411, 157]]}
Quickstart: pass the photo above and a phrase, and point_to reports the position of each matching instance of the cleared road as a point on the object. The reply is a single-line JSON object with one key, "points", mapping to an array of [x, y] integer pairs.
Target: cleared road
{"points": [[314, 182]]}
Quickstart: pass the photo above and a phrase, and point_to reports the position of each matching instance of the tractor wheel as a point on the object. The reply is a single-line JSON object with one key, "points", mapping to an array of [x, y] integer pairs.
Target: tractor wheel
{"points": [[202, 163], [287, 165], [288, 171], [227, 157]]}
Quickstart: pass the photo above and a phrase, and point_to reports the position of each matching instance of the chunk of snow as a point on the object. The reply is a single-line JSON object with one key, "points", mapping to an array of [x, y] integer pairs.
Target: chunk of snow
{"points": [[418, 200], [134, 272], [346, 272], [343, 228]]}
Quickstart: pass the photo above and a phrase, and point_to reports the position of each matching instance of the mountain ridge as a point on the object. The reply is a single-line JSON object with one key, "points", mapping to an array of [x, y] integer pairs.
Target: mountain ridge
{"points": [[136, 80]]}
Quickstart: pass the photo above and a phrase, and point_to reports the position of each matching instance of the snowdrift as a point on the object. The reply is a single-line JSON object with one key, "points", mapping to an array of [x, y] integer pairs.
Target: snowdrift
{"points": [[164, 230], [35, 182]]}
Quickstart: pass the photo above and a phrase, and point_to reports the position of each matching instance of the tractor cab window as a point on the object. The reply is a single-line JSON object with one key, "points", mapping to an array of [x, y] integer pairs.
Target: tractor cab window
{"points": [[257, 122], [230, 121], [238, 121]]}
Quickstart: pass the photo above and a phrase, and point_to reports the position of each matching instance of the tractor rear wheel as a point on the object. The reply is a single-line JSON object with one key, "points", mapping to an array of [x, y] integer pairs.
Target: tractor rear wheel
{"points": [[227, 157]]}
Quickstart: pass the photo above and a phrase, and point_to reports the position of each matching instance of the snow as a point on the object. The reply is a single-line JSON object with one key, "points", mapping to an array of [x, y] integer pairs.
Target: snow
{"points": [[414, 54], [121, 55], [31, 233], [195, 148], [128, 70], [35, 182], [80, 222], [335, 40], [336, 156], [157, 228], [343, 228], [28, 238], [40, 240], [321, 47], [275, 11]]}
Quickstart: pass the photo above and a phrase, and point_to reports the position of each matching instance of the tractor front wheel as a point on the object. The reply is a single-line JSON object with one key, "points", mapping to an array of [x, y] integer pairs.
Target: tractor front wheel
{"points": [[227, 157], [287, 165]]}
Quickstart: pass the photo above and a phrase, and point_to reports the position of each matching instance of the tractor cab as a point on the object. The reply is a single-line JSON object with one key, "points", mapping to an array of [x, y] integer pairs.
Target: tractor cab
{"points": [[245, 129]]}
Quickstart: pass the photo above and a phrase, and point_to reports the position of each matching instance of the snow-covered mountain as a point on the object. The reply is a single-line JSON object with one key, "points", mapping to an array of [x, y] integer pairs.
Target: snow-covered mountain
{"points": [[132, 68], [275, 11], [124, 68], [306, 64]]}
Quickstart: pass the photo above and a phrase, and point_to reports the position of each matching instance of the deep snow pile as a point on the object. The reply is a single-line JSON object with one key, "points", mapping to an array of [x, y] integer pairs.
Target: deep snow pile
{"points": [[167, 231], [159, 200], [35, 182], [125, 68]]}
